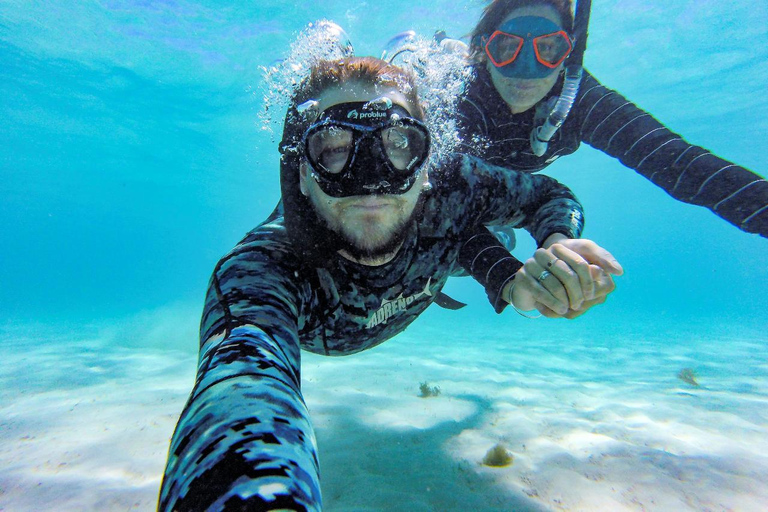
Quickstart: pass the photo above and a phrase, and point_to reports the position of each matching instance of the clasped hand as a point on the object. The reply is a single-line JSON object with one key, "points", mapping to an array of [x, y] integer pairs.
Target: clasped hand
{"points": [[564, 278]]}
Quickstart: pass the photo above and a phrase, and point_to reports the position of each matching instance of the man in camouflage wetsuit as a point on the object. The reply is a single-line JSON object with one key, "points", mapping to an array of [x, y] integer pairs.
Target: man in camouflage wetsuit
{"points": [[364, 245]]}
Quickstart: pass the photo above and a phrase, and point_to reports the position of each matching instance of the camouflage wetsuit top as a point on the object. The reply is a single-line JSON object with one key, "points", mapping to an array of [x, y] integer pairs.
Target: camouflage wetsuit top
{"points": [[244, 440], [607, 121]]}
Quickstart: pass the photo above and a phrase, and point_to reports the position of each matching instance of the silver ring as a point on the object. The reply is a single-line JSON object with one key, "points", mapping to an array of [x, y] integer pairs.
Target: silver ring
{"points": [[543, 276]]}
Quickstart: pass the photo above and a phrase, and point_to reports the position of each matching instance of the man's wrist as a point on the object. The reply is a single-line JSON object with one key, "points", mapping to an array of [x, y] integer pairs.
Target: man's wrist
{"points": [[553, 239]]}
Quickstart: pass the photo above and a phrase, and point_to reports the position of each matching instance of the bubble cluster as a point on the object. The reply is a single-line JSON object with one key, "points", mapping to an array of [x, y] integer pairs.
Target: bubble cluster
{"points": [[441, 73], [321, 40], [441, 76]]}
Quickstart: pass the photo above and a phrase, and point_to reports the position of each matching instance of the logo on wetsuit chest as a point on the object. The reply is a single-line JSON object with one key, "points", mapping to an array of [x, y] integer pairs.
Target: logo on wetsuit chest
{"points": [[390, 308]]}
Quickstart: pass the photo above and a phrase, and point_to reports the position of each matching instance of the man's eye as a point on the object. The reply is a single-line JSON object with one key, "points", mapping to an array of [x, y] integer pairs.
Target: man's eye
{"points": [[334, 158], [398, 139], [335, 151]]}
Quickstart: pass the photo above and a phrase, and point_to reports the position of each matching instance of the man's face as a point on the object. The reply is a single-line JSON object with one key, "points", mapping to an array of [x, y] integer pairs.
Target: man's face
{"points": [[372, 225]]}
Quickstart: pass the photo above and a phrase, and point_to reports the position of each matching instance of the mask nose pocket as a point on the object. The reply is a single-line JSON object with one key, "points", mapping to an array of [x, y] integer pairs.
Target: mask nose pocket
{"points": [[527, 60]]}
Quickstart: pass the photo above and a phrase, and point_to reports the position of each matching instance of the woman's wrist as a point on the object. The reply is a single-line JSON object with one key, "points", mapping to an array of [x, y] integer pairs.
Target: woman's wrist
{"points": [[508, 294]]}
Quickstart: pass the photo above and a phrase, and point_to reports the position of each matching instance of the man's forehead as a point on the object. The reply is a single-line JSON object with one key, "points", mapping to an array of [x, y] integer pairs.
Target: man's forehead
{"points": [[355, 92]]}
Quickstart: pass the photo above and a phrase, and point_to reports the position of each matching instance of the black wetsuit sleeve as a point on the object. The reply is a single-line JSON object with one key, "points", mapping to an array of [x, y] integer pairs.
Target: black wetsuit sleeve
{"points": [[490, 263], [244, 440], [614, 125]]}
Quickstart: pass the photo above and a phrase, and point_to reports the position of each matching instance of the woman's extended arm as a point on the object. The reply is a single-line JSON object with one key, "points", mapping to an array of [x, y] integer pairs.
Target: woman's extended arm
{"points": [[609, 122]]}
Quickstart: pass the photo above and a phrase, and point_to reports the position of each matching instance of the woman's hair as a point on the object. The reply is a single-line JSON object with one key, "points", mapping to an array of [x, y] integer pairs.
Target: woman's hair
{"points": [[365, 70], [497, 10]]}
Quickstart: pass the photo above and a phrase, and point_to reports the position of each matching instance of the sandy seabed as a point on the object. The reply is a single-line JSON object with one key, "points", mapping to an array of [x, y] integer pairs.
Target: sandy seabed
{"points": [[592, 424]]}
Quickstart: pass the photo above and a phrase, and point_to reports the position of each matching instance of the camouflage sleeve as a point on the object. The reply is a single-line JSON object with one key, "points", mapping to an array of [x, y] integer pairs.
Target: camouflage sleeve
{"points": [[498, 196], [244, 440], [537, 203]]}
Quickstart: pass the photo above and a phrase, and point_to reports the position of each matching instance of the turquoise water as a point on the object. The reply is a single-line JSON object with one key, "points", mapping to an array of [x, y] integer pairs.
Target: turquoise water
{"points": [[132, 156]]}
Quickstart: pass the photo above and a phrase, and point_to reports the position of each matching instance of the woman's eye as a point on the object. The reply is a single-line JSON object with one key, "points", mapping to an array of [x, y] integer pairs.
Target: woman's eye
{"points": [[507, 45], [546, 47]]}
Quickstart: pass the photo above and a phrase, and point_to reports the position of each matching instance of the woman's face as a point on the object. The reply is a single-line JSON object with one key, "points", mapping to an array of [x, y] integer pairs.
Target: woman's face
{"points": [[523, 93]]}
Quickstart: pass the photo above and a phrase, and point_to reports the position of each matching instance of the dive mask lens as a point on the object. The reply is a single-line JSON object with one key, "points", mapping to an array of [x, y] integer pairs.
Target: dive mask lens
{"points": [[552, 49], [503, 48], [329, 148], [405, 145], [401, 145]]}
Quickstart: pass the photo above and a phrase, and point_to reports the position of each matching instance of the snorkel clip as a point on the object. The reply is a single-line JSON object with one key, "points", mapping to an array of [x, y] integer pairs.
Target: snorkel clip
{"points": [[542, 134]]}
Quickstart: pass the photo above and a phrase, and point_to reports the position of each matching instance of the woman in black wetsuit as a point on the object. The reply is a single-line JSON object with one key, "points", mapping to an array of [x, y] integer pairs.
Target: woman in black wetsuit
{"points": [[520, 50]]}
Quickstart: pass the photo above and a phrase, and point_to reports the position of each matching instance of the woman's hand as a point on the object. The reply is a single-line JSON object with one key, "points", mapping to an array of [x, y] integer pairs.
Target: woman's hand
{"points": [[603, 285], [564, 278]]}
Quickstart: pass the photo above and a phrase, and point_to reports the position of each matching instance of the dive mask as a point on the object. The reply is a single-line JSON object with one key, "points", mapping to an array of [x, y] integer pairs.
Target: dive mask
{"points": [[528, 47], [366, 148]]}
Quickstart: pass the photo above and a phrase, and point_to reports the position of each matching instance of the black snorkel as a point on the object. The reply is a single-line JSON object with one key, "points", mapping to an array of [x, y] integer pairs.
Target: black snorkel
{"points": [[543, 133]]}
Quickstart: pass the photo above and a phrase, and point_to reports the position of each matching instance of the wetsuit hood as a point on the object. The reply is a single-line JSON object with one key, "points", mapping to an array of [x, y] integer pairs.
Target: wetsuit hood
{"points": [[304, 228]]}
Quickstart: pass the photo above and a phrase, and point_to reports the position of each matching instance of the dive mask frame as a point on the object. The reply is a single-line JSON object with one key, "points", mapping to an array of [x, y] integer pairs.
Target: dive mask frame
{"points": [[368, 169]]}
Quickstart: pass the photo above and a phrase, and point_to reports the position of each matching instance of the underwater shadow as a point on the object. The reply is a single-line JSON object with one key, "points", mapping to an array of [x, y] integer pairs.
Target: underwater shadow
{"points": [[364, 468]]}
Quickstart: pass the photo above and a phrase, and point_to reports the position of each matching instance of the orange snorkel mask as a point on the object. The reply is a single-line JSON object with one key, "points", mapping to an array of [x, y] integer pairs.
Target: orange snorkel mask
{"points": [[528, 47]]}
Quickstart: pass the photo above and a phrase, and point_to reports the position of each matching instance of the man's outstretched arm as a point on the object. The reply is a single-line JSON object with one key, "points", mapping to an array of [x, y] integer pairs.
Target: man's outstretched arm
{"points": [[244, 440]]}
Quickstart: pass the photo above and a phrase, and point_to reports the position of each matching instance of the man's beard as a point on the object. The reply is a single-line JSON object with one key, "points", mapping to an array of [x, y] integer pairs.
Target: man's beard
{"points": [[362, 250], [371, 245]]}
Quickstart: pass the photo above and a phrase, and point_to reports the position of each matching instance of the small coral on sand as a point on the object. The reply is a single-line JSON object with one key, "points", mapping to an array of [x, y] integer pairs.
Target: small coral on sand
{"points": [[689, 376], [498, 457], [428, 391]]}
